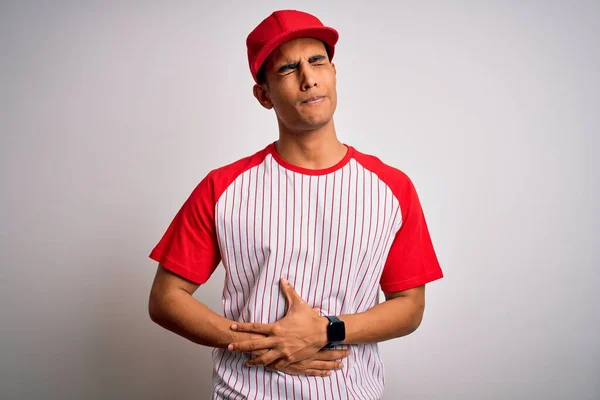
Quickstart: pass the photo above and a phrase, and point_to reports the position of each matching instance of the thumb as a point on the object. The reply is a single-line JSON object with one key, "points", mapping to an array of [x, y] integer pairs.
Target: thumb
{"points": [[290, 294]]}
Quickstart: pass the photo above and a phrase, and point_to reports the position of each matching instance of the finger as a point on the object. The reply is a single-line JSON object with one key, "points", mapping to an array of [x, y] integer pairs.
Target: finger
{"points": [[290, 294], [325, 365], [252, 344], [317, 310], [317, 372], [253, 327], [287, 293], [327, 355], [258, 352], [266, 359], [281, 364]]}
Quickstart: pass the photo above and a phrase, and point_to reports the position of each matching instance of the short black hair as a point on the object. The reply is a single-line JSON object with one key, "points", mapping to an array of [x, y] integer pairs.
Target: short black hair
{"points": [[262, 72]]}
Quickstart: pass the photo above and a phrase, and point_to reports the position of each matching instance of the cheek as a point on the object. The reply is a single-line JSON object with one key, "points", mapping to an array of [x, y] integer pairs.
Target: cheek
{"points": [[285, 103], [285, 107], [281, 97]]}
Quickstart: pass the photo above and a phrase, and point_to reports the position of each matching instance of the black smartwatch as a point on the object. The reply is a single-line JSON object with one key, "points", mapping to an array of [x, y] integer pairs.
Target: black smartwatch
{"points": [[336, 331]]}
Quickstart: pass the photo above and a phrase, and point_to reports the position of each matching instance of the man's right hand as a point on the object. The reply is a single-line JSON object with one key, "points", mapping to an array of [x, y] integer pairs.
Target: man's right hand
{"points": [[320, 364]]}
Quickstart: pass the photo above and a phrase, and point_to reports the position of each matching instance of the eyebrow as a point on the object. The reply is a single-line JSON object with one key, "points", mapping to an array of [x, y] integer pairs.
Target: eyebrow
{"points": [[285, 67]]}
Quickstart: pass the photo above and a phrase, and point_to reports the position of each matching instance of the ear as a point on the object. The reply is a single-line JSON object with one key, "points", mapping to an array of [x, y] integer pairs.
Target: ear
{"points": [[262, 95], [334, 70]]}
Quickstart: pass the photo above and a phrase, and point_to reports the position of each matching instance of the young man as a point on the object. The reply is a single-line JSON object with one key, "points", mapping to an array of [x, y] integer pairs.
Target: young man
{"points": [[307, 230]]}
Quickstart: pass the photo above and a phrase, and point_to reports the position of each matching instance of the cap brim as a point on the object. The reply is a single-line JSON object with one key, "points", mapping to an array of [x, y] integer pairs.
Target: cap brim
{"points": [[328, 35]]}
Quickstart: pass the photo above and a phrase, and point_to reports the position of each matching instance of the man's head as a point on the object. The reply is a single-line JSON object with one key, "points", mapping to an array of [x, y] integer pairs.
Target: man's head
{"points": [[290, 56]]}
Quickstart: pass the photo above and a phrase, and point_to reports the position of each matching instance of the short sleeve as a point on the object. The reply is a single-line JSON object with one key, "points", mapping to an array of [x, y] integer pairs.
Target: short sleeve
{"points": [[411, 261], [189, 247]]}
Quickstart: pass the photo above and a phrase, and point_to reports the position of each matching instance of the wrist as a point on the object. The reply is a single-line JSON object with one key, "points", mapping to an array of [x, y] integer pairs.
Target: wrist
{"points": [[321, 338], [227, 335]]}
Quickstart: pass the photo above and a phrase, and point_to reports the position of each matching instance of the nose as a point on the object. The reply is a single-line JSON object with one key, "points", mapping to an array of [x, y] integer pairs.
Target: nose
{"points": [[309, 78], [309, 83]]}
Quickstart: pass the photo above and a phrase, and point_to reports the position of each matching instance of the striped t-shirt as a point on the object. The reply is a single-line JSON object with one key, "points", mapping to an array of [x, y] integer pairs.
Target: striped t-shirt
{"points": [[336, 234]]}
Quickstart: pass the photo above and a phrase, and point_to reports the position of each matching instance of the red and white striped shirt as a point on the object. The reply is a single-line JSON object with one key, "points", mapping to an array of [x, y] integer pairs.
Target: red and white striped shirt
{"points": [[336, 234]]}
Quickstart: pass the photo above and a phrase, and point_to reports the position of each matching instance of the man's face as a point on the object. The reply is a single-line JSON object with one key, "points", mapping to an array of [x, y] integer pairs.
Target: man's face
{"points": [[300, 85]]}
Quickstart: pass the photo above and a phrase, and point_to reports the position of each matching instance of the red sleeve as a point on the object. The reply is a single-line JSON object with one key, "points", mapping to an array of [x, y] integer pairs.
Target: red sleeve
{"points": [[189, 247], [412, 260]]}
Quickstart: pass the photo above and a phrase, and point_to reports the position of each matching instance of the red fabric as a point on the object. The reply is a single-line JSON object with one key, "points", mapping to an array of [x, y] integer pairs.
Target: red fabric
{"points": [[190, 247], [280, 27], [412, 260], [306, 171]]}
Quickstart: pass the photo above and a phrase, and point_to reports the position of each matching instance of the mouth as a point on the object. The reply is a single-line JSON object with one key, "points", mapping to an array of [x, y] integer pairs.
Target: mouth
{"points": [[314, 100]]}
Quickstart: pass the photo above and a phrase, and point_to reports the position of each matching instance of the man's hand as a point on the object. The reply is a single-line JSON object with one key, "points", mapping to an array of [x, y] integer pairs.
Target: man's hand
{"points": [[296, 337], [320, 364]]}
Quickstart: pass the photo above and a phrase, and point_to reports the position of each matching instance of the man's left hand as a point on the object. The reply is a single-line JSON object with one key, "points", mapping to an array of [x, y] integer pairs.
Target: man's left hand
{"points": [[297, 336]]}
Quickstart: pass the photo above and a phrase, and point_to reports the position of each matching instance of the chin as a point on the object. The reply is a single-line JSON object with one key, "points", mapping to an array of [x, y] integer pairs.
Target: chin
{"points": [[315, 121], [313, 125], [303, 123]]}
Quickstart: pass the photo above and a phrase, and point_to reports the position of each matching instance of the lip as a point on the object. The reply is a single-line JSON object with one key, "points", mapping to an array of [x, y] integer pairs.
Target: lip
{"points": [[314, 100]]}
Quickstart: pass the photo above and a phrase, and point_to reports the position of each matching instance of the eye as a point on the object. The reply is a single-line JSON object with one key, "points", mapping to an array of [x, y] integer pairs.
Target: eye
{"points": [[287, 68], [318, 60]]}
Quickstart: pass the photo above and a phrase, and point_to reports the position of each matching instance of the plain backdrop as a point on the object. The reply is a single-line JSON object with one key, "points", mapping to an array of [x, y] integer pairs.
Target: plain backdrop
{"points": [[111, 112]]}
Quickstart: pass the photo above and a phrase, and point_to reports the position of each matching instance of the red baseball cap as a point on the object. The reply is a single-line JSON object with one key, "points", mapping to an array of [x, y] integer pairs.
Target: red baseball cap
{"points": [[282, 26]]}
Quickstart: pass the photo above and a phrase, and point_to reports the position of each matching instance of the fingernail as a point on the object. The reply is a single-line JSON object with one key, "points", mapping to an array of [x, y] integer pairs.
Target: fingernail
{"points": [[340, 365], [234, 327], [284, 280], [230, 347]]}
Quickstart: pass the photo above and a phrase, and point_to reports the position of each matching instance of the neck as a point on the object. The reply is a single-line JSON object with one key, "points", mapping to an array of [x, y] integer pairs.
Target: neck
{"points": [[316, 149]]}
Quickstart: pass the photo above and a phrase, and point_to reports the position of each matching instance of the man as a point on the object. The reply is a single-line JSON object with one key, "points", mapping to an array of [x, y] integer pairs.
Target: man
{"points": [[307, 230]]}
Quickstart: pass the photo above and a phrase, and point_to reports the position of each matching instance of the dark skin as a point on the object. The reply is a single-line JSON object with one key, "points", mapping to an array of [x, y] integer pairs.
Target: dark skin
{"points": [[291, 80], [295, 72], [298, 71]]}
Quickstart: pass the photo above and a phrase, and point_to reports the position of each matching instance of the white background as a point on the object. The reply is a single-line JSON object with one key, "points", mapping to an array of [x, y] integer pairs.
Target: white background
{"points": [[112, 112]]}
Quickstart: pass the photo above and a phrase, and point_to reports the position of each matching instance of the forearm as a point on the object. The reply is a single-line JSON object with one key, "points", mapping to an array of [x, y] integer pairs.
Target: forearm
{"points": [[182, 314], [301, 332], [393, 318]]}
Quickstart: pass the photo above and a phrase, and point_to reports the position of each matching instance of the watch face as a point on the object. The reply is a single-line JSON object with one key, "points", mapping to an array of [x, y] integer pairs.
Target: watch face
{"points": [[336, 332]]}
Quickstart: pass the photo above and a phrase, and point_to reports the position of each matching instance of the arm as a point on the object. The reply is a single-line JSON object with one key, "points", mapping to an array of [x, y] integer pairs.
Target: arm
{"points": [[172, 306], [400, 315], [302, 333]]}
